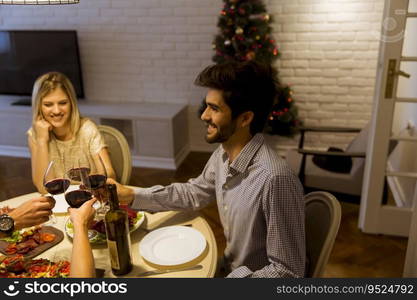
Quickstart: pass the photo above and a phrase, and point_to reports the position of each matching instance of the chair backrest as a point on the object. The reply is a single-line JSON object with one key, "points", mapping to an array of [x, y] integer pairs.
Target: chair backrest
{"points": [[119, 152], [359, 144], [322, 221]]}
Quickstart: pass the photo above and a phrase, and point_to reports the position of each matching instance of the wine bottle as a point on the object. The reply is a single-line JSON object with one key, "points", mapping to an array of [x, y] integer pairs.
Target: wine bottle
{"points": [[118, 238]]}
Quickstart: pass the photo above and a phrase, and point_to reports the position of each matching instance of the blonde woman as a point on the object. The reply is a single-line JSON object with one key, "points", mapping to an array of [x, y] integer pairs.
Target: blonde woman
{"points": [[59, 133]]}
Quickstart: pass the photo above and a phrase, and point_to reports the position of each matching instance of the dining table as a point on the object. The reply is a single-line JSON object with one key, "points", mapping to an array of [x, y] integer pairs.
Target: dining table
{"points": [[206, 261]]}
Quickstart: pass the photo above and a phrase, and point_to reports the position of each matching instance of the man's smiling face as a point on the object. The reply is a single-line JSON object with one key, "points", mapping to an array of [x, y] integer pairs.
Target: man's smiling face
{"points": [[218, 118]]}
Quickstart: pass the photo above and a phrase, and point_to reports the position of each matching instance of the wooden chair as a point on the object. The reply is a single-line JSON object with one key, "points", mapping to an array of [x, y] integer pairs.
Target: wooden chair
{"points": [[322, 221], [119, 152]]}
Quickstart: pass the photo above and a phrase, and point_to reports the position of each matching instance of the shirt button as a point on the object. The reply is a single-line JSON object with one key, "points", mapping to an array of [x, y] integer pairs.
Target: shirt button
{"points": [[225, 208]]}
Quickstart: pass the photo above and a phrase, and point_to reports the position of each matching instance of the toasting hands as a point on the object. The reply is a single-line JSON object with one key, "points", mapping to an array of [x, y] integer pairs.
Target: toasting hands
{"points": [[83, 215], [32, 212]]}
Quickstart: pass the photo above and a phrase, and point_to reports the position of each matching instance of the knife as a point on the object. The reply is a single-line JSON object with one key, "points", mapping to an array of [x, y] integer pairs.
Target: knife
{"points": [[156, 272]]}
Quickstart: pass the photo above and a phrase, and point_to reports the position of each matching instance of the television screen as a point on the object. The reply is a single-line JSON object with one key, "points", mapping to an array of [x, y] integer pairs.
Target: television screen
{"points": [[25, 55]]}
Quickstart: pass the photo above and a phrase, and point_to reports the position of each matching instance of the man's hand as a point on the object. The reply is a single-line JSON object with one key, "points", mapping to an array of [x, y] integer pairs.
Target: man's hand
{"points": [[33, 212], [83, 215], [5, 210], [125, 194]]}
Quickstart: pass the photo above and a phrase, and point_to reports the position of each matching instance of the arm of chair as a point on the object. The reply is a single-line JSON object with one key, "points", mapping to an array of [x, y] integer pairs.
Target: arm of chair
{"points": [[301, 173], [331, 153], [303, 130], [330, 129]]}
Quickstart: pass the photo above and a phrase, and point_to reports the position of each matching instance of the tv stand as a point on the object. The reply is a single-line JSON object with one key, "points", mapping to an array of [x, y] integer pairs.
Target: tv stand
{"points": [[23, 101]]}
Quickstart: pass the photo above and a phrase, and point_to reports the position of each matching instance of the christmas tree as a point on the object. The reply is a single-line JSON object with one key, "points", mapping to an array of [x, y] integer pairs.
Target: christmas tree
{"points": [[245, 34]]}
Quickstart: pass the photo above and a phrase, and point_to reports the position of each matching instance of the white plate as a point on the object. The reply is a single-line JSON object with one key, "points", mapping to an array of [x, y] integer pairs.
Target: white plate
{"points": [[96, 237], [172, 245]]}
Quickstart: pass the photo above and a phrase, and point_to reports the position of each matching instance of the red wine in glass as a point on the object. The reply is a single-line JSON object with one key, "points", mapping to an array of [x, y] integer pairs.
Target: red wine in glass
{"points": [[57, 186], [54, 184], [97, 181], [77, 174], [77, 198]]}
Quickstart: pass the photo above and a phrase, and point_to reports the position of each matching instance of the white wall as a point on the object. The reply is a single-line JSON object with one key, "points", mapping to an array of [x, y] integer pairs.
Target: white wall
{"points": [[329, 54], [151, 51]]}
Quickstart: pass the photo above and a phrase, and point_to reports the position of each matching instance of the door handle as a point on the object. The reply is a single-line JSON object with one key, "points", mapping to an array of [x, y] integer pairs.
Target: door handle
{"points": [[391, 74], [402, 73]]}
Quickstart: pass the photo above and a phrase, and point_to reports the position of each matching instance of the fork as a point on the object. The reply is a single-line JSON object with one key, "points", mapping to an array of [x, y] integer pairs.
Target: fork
{"points": [[155, 272]]}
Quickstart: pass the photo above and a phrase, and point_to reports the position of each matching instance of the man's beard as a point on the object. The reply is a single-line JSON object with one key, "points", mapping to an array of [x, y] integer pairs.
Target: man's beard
{"points": [[223, 133]]}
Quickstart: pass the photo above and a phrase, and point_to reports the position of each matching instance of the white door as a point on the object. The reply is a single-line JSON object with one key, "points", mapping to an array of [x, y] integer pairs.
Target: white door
{"points": [[396, 73]]}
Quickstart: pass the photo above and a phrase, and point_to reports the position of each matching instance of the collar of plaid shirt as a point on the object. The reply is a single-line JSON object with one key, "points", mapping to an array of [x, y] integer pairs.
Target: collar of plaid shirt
{"points": [[242, 161]]}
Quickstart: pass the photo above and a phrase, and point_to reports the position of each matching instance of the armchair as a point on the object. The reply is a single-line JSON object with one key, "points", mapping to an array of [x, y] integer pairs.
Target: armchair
{"points": [[315, 177]]}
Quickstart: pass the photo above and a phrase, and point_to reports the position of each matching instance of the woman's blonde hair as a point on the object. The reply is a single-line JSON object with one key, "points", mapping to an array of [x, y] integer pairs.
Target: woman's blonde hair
{"points": [[47, 83]]}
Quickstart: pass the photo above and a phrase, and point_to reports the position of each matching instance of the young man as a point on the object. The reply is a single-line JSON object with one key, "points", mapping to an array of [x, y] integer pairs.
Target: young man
{"points": [[260, 200]]}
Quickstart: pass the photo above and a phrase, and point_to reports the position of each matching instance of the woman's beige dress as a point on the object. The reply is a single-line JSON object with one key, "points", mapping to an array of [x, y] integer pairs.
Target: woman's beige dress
{"points": [[83, 147]]}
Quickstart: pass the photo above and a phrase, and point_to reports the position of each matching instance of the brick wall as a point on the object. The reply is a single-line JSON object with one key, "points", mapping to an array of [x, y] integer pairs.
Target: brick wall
{"points": [[151, 51], [329, 54]]}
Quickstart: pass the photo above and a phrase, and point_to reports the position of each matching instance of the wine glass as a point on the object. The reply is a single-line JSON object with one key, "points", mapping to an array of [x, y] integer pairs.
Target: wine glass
{"points": [[76, 198], [54, 185], [96, 183], [78, 174]]}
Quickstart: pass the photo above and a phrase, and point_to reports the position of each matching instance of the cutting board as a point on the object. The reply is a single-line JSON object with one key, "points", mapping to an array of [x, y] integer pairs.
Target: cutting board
{"points": [[59, 236]]}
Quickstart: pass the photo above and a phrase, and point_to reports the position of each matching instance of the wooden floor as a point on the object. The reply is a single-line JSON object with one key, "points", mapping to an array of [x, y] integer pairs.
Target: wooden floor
{"points": [[355, 254]]}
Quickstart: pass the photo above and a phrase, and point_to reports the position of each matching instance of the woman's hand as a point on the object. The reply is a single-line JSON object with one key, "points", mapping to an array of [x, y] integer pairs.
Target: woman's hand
{"points": [[42, 128], [83, 215], [82, 260]]}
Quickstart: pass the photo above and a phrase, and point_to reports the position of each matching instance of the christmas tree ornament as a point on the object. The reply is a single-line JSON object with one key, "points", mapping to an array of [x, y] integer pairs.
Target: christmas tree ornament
{"points": [[250, 55], [227, 42], [239, 30]]}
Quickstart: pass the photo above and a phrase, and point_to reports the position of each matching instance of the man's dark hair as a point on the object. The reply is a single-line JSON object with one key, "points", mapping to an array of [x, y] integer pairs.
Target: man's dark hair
{"points": [[245, 86]]}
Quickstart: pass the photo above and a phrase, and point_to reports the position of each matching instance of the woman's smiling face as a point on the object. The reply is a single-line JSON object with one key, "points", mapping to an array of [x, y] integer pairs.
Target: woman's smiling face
{"points": [[56, 108]]}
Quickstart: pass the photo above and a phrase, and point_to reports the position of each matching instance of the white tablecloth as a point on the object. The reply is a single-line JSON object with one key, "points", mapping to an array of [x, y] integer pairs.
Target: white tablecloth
{"points": [[208, 259]]}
